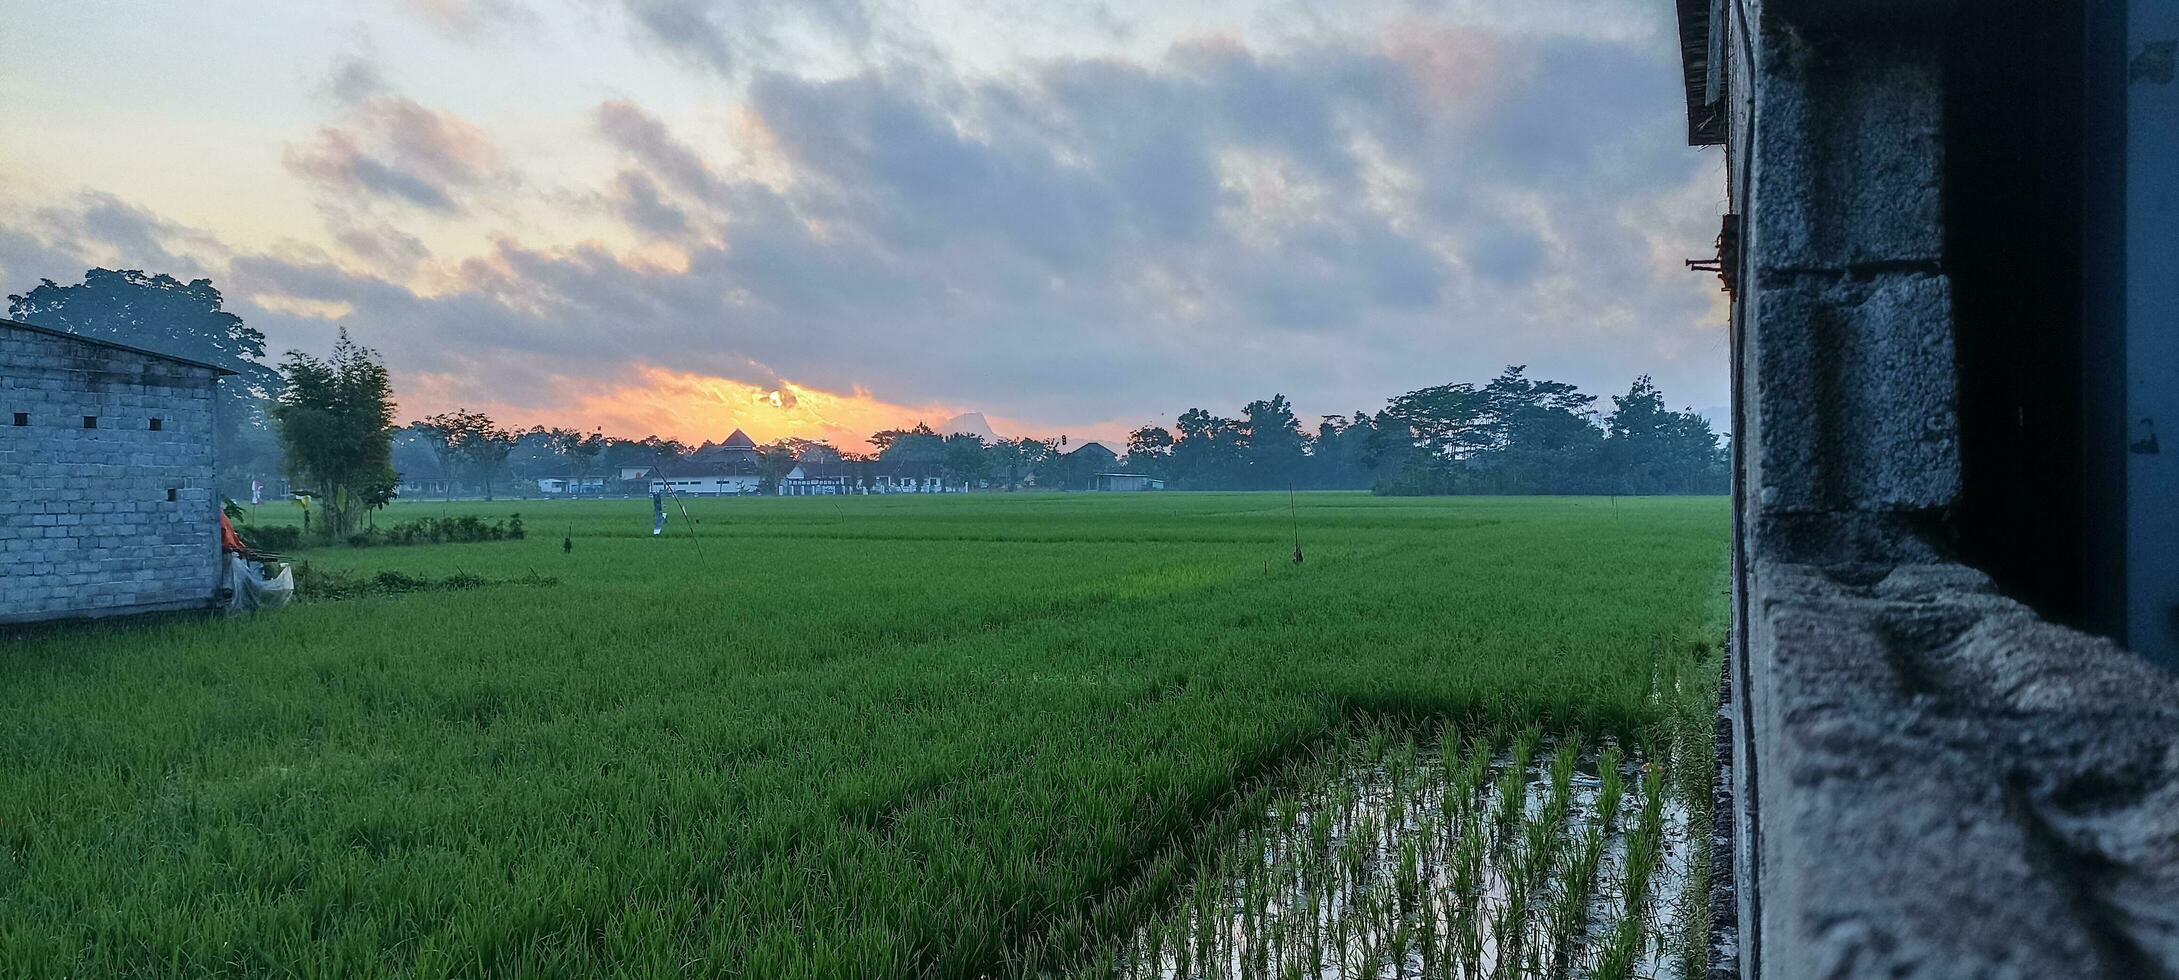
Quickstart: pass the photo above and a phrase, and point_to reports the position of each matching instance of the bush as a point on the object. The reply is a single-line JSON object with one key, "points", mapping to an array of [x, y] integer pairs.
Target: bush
{"points": [[312, 582], [439, 530], [272, 538]]}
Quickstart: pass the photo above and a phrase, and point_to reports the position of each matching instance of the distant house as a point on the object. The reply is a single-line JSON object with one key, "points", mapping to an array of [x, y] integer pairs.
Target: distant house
{"points": [[906, 476], [728, 467], [738, 448], [577, 486], [106, 500], [1093, 454], [821, 474], [1075, 469], [1125, 482]]}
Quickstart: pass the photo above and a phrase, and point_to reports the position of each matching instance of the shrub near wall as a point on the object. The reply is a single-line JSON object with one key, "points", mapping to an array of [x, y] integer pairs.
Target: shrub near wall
{"points": [[439, 530]]}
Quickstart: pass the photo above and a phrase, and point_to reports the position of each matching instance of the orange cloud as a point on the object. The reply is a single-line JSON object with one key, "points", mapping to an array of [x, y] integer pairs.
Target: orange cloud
{"points": [[696, 407]]}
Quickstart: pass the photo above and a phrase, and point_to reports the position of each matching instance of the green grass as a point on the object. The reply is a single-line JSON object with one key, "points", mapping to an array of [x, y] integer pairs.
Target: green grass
{"points": [[825, 737]]}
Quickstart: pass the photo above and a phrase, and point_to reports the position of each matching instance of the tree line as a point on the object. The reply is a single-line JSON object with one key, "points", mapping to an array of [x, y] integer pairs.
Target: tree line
{"points": [[1511, 435], [329, 428]]}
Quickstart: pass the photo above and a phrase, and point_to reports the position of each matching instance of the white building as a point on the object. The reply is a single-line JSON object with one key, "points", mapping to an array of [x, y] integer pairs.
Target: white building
{"points": [[1125, 482], [572, 485]]}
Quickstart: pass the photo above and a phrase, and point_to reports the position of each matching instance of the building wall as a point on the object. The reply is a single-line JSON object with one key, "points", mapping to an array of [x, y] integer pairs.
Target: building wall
{"points": [[708, 485], [85, 524], [1928, 778]]}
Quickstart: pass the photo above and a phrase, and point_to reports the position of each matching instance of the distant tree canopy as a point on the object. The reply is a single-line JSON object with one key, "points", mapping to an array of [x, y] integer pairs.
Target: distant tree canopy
{"points": [[469, 443], [185, 319], [1513, 435], [336, 424]]}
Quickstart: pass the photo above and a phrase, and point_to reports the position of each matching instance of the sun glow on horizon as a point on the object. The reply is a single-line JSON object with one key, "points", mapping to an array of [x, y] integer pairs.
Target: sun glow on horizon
{"points": [[695, 408]]}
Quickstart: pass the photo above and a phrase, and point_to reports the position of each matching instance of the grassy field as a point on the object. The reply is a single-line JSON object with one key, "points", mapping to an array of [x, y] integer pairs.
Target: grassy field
{"points": [[821, 737]]}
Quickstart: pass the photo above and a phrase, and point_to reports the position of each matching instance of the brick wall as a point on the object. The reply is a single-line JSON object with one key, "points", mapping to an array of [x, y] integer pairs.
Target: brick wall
{"points": [[87, 526]]}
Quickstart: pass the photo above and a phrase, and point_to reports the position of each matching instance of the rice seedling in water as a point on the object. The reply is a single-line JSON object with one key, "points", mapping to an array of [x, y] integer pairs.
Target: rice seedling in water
{"points": [[1373, 883]]}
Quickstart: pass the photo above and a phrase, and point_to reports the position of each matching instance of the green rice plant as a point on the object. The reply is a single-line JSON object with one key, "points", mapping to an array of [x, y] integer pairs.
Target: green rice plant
{"points": [[966, 736]]}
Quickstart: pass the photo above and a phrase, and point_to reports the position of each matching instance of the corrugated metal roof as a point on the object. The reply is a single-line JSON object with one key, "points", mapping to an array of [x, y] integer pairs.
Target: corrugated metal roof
{"points": [[1705, 114]]}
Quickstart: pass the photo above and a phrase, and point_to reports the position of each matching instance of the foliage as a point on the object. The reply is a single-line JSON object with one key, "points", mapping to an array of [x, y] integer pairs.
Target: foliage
{"points": [[336, 424], [777, 460], [467, 442], [967, 459], [841, 737], [270, 538], [314, 582], [1513, 435], [440, 530]]}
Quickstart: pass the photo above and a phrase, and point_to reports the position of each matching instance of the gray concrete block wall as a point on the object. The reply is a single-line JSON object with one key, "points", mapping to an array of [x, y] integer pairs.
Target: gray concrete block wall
{"points": [[1929, 780], [85, 524], [1854, 409]]}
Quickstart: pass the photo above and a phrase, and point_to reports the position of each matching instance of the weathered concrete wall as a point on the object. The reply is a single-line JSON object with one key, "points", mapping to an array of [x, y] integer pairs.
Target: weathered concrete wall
{"points": [[1928, 779], [1952, 787], [86, 526]]}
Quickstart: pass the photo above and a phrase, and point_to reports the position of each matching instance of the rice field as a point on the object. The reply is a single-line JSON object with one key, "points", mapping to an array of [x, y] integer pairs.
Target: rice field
{"points": [[959, 737]]}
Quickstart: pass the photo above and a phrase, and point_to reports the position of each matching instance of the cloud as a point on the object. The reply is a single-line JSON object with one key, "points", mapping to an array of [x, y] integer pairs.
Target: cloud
{"points": [[721, 35], [353, 80], [1340, 218], [635, 197], [93, 228], [390, 147], [469, 19], [641, 135]]}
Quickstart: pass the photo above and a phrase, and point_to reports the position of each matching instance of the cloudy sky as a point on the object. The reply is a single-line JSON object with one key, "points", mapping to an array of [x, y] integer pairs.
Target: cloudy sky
{"points": [[819, 217]]}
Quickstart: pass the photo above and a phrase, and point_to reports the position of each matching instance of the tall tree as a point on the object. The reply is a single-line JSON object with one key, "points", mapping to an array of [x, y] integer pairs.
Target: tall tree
{"points": [[336, 424], [468, 441], [777, 460], [966, 460], [1015, 459], [885, 440], [1150, 451], [578, 451], [1273, 443]]}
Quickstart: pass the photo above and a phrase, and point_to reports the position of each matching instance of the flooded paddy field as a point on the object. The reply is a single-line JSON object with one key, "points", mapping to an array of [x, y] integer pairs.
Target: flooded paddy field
{"points": [[1396, 856], [955, 737]]}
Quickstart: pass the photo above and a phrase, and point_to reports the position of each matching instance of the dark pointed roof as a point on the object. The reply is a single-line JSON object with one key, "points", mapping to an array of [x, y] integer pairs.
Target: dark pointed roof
{"points": [[739, 440]]}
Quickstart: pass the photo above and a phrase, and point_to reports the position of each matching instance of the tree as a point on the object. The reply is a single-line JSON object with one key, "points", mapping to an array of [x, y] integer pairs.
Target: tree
{"points": [[471, 441], [579, 451], [336, 425], [1017, 458], [1445, 420], [885, 440], [1206, 450], [1271, 443], [917, 445], [965, 461], [777, 460], [1150, 451], [164, 314]]}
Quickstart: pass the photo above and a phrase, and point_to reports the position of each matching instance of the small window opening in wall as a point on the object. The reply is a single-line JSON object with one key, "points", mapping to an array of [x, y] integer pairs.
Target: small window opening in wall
{"points": [[90, 421], [157, 424], [173, 495], [22, 418]]}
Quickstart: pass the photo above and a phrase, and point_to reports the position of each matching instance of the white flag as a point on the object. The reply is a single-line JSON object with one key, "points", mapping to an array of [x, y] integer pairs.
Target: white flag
{"points": [[257, 493]]}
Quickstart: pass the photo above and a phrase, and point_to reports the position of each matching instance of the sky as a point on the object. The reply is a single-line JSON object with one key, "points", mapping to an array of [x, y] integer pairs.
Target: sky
{"points": [[819, 218]]}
